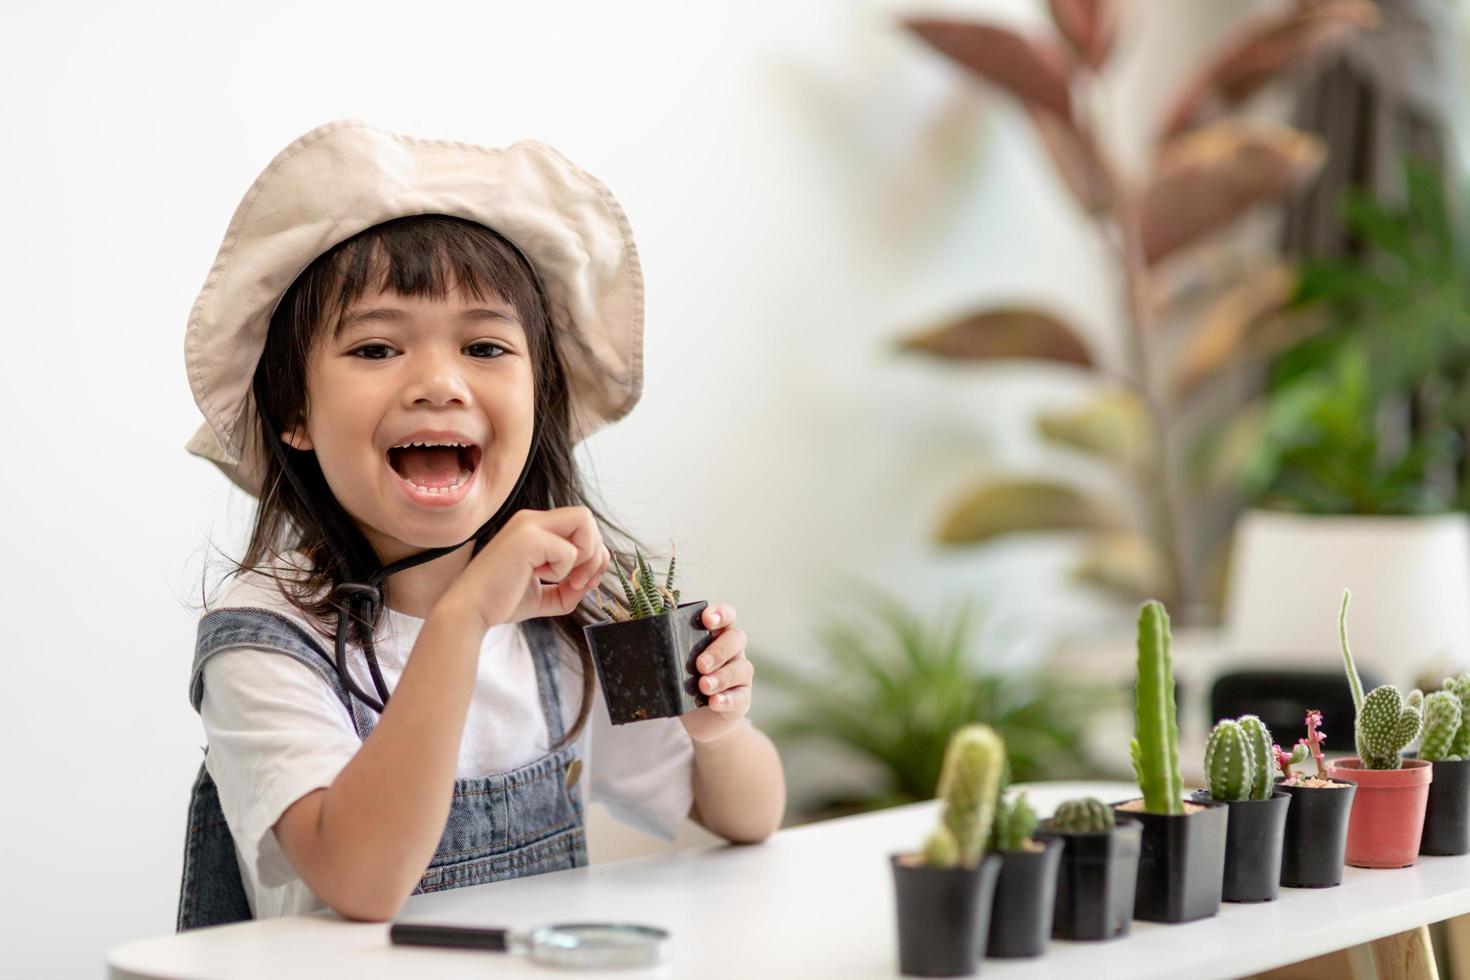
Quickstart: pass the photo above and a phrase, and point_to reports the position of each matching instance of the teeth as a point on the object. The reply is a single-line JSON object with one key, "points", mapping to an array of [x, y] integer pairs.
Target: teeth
{"points": [[464, 475], [429, 445]]}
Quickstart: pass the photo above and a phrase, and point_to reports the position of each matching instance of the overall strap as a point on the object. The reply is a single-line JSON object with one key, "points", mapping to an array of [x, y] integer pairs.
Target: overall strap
{"points": [[252, 627], [541, 635]]}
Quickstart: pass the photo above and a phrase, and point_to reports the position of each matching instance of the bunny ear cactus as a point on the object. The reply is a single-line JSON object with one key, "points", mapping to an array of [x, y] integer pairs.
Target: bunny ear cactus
{"points": [[1441, 724], [1015, 821], [1387, 721], [1085, 816], [968, 781], [1155, 747]]}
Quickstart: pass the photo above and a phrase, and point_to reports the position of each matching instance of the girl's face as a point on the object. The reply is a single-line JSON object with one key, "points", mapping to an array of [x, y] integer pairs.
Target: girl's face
{"points": [[411, 369]]}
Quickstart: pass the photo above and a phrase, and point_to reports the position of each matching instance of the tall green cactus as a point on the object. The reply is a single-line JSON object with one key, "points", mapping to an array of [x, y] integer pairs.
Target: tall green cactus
{"points": [[1460, 688], [1441, 724], [968, 781], [1014, 824], [1229, 765], [1387, 721], [1155, 747], [1088, 815]]}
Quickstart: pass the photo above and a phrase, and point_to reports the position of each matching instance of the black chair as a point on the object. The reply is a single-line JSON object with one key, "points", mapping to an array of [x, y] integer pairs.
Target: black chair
{"points": [[1281, 698]]}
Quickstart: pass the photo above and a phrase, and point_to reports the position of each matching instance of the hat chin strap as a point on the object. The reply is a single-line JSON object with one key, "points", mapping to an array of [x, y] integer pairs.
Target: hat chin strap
{"points": [[368, 592]]}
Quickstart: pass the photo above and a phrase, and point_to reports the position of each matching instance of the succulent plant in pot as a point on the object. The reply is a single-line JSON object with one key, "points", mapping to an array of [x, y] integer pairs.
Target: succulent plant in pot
{"points": [[1446, 746], [1025, 893], [1099, 869], [646, 651], [1240, 765], [1387, 816], [944, 891], [1182, 852], [1317, 820]]}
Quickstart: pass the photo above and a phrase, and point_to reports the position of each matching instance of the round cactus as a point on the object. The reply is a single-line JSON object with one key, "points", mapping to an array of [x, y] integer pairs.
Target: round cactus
{"points": [[1441, 723], [1085, 816], [1229, 765], [1258, 739]]}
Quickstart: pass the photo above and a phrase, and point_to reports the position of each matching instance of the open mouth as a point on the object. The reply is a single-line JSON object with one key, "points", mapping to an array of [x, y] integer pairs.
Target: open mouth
{"points": [[435, 470]]}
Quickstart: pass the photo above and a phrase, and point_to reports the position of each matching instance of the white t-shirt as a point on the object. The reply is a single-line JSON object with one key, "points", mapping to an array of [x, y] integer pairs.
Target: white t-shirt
{"points": [[276, 731]]}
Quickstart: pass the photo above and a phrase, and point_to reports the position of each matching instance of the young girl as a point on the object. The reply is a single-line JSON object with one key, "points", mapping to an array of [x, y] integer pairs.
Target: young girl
{"points": [[396, 350]]}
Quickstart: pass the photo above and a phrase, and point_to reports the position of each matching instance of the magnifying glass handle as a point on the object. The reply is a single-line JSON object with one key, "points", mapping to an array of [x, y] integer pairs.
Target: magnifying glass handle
{"points": [[462, 937]]}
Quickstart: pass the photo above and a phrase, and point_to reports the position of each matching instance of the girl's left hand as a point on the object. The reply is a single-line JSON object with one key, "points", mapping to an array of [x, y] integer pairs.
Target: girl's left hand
{"points": [[725, 676]]}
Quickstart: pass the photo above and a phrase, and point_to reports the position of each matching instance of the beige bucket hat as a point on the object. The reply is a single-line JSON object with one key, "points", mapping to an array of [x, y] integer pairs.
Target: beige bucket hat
{"points": [[347, 175]]}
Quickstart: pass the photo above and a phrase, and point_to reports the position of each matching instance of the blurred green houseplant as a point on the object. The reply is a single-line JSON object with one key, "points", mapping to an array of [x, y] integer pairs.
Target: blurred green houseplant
{"points": [[891, 690], [1373, 417], [1209, 169]]}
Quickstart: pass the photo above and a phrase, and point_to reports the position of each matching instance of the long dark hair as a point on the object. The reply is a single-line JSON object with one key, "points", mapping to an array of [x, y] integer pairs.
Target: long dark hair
{"points": [[421, 256]]}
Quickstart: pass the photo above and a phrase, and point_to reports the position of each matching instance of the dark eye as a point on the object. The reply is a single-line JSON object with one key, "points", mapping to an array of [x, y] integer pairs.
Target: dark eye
{"points": [[486, 343], [364, 347]]}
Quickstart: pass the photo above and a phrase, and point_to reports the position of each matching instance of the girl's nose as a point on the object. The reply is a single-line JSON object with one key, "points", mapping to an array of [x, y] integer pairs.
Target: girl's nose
{"points": [[438, 379]]}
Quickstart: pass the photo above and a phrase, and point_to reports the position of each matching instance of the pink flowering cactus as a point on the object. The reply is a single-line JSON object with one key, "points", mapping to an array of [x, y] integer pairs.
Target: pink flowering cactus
{"points": [[1314, 741]]}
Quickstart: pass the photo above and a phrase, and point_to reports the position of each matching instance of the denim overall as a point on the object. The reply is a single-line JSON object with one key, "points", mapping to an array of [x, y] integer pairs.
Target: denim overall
{"points": [[523, 822]]}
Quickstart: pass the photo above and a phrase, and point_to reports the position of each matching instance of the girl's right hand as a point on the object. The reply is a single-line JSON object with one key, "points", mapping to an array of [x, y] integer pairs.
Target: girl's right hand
{"points": [[503, 583]]}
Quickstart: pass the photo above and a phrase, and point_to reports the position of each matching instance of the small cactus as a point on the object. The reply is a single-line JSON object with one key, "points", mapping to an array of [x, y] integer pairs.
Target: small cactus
{"points": [[1085, 816], [1258, 739], [1387, 721], [1460, 688], [968, 781], [1314, 741], [1441, 723], [1155, 747], [644, 595], [1239, 760], [940, 850], [1285, 760], [1015, 821], [1229, 766]]}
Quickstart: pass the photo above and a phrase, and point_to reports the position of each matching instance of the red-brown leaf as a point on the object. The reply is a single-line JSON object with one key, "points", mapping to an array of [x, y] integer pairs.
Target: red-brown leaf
{"points": [[1090, 26], [1003, 334], [1254, 57], [1209, 177], [1034, 71]]}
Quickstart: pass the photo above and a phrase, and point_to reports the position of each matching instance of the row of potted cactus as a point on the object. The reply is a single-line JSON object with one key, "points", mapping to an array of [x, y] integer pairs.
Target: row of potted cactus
{"points": [[993, 881]]}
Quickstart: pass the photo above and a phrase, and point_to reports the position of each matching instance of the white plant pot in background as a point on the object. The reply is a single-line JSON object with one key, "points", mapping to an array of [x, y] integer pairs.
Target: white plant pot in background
{"points": [[1410, 582]]}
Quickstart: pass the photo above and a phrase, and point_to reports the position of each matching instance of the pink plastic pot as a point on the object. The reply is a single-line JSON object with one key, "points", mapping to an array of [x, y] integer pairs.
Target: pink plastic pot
{"points": [[1388, 811]]}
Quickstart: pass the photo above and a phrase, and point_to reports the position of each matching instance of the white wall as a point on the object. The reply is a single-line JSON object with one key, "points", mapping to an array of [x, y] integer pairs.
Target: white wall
{"points": [[751, 145]]}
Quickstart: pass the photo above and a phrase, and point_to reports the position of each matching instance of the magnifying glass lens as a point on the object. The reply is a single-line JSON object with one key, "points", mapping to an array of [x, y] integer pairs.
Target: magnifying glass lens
{"points": [[599, 945]]}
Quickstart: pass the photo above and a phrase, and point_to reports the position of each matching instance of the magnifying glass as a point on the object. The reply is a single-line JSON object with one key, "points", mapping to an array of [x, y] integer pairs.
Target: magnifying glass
{"points": [[578, 945]]}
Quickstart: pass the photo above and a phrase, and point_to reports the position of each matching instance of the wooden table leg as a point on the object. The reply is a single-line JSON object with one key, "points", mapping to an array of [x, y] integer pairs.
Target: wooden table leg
{"points": [[1456, 937], [1404, 956]]}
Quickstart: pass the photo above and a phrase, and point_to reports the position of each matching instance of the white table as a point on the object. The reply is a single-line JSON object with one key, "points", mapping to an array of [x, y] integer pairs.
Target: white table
{"points": [[813, 901]]}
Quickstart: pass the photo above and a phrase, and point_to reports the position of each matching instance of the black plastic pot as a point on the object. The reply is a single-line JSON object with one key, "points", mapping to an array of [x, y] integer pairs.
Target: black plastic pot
{"points": [[1025, 900], [1447, 814], [647, 665], [943, 916], [1181, 864], [1316, 834], [1096, 881], [1253, 839]]}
